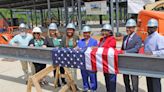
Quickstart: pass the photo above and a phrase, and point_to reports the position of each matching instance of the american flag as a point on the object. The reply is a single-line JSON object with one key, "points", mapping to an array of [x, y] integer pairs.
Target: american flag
{"points": [[67, 57], [98, 59]]}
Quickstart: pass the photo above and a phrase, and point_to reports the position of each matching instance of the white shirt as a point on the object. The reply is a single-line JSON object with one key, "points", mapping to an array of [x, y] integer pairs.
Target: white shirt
{"points": [[23, 42], [155, 44], [130, 38]]}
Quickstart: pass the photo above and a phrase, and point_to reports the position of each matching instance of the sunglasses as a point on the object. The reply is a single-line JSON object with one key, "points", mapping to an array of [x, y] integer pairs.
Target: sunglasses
{"points": [[36, 33]]}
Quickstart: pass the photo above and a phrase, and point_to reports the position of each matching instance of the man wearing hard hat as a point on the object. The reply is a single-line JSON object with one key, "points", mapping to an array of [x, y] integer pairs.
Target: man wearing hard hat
{"points": [[87, 41], [108, 41], [23, 40], [54, 40], [153, 45], [131, 44]]}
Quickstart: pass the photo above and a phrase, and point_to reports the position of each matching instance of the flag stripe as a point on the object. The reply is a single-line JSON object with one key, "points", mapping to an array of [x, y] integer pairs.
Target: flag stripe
{"points": [[99, 60], [105, 60], [88, 59], [111, 60], [93, 59], [102, 60]]}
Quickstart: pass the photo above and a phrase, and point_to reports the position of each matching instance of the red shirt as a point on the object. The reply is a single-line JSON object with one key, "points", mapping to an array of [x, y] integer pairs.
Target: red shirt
{"points": [[109, 42]]}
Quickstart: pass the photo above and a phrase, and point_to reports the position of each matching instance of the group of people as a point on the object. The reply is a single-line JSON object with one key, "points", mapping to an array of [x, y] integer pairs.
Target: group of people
{"points": [[153, 45], [131, 44]]}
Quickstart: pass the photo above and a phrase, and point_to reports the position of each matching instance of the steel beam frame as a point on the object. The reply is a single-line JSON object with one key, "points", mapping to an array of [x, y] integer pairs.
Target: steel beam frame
{"points": [[134, 64]]}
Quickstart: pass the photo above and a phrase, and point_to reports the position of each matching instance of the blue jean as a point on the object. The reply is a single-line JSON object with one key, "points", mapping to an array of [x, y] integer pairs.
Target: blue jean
{"points": [[110, 80], [86, 76]]}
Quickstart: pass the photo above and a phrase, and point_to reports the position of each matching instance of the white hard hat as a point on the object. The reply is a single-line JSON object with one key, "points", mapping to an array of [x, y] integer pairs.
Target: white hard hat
{"points": [[37, 30], [152, 23], [71, 25], [53, 26], [86, 29], [131, 23], [107, 27], [22, 25]]}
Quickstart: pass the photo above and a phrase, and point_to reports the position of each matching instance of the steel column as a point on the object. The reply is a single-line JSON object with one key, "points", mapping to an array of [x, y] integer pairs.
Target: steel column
{"points": [[41, 15], [73, 10], [58, 15], [111, 14], [49, 9], [117, 17], [66, 12], [32, 18], [11, 15], [79, 14]]}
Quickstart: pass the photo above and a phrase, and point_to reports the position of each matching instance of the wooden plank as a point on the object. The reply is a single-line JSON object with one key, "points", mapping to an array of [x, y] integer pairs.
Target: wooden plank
{"points": [[56, 76], [29, 85], [43, 73], [36, 84]]}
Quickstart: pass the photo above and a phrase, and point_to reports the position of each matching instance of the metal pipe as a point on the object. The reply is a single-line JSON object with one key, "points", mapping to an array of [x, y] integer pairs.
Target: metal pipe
{"points": [[101, 20], [49, 9], [41, 15], [73, 10], [117, 17], [11, 15], [120, 12], [58, 15], [36, 21], [32, 18], [79, 14], [28, 18], [66, 12], [111, 14], [35, 13]]}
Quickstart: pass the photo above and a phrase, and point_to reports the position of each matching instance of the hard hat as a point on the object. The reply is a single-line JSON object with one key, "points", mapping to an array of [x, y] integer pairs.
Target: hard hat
{"points": [[131, 23], [86, 29], [71, 25], [22, 25], [152, 23], [53, 26], [37, 30], [107, 27]]}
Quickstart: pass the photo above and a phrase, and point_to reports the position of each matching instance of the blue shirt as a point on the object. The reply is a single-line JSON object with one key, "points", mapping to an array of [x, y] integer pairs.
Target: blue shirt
{"points": [[21, 41], [155, 44], [82, 43]]}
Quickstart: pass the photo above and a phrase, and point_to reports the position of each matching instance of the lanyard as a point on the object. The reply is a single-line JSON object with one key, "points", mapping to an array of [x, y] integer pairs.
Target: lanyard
{"points": [[38, 43], [56, 42]]}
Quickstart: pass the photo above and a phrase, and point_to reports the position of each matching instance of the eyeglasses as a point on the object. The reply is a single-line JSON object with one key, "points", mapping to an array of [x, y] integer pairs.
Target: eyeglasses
{"points": [[36, 33]]}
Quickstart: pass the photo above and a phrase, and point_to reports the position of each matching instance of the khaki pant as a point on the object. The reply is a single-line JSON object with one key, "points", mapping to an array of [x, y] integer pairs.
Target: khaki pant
{"points": [[25, 67], [73, 74]]}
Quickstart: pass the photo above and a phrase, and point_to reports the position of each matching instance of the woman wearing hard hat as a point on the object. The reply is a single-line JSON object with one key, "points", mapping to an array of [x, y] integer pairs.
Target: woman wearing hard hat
{"points": [[87, 41], [38, 41], [108, 41], [70, 41], [53, 40]]}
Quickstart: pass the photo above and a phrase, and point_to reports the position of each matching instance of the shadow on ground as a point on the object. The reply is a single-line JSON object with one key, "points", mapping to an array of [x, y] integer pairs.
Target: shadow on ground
{"points": [[50, 87], [8, 60]]}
